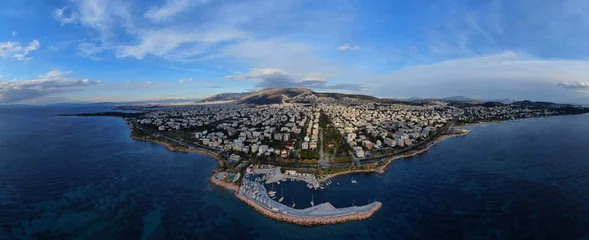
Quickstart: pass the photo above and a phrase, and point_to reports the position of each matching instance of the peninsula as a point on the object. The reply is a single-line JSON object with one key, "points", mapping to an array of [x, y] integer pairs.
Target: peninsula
{"points": [[276, 135]]}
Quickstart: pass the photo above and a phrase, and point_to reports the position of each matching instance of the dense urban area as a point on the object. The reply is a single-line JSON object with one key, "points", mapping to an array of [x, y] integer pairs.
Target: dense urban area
{"points": [[309, 131]]}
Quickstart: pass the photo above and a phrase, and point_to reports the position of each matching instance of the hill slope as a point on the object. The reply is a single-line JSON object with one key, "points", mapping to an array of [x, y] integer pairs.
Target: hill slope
{"points": [[225, 97], [273, 95]]}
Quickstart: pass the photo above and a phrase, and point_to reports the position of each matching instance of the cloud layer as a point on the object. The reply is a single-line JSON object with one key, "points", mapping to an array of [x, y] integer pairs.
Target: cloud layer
{"points": [[509, 73], [278, 78], [51, 83]]}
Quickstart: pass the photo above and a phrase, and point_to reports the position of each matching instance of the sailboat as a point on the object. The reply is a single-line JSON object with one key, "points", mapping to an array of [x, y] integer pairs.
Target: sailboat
{"points": [[312, 203], [293, 203], [353, 181], [281, 196], [272, 192], [337, 183]]}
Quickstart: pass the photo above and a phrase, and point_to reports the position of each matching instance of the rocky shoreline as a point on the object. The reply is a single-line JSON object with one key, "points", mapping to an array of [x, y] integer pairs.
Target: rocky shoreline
{"points": [[382, 168], [226, 185], [173, 149], [311, 220]]}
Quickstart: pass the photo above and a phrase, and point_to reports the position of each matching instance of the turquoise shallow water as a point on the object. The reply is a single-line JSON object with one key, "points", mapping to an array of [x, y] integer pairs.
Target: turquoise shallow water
{"points": [[84, 178]]}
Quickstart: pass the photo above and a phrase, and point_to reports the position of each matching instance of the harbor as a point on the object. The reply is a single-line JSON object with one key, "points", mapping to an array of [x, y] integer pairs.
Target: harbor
{"points": [[253, 192]]}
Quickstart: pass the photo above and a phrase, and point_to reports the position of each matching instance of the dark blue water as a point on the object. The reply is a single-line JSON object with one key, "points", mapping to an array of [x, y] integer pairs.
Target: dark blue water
{"points": [[84, 178]]}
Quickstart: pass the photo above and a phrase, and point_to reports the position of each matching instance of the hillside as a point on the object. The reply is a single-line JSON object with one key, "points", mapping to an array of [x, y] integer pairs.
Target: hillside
{"points": [[273, 95], [225, 97]]}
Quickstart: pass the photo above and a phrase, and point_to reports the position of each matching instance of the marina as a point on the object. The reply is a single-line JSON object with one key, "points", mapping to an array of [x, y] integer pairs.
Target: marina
{"points": [[254, 193]]}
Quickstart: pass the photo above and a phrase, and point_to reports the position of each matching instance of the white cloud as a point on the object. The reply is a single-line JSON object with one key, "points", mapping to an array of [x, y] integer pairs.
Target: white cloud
{"points": [[486, 76], [47, 84], [93, 50], [186, 80], [164, 42], [16, 50], [347, 47], [60, 15], [13, 34], [103, 15], [259, 73], [582, 86], [171, 8]]}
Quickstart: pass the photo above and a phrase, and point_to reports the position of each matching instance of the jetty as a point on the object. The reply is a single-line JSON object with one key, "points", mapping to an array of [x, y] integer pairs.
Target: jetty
{"points": [[254, 194]]}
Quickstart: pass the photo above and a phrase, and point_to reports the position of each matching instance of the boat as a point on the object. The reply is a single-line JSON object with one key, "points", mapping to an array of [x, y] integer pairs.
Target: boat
{"points": [[337, 183], [282, 196], [312, 203], [278, 182], [293, 203], [272, 192]]}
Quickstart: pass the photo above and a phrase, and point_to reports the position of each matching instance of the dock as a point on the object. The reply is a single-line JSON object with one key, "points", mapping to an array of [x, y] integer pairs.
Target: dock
{"points": [[275, 175]]}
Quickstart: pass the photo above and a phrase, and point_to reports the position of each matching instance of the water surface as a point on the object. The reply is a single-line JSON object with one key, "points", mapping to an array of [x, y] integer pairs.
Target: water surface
{"points": [[84, 178]]}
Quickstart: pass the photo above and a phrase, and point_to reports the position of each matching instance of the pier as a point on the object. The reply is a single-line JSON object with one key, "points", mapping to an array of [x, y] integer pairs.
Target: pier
{"points": [[254, 194], [274, 175]]}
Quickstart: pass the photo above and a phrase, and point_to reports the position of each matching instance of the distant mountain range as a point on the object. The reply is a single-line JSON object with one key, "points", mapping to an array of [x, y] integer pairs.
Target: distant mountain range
{"points": [[278, 95]]}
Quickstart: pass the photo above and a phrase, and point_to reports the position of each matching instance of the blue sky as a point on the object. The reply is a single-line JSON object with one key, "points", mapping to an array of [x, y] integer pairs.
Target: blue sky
{"points": [[115, 50]]}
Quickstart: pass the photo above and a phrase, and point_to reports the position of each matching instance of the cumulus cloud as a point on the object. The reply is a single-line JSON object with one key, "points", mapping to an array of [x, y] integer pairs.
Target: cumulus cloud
{"points": [[171, 8], [62, 16], [347, 47], [50, 83], [278, 78], [186, 80], [16, 50]]}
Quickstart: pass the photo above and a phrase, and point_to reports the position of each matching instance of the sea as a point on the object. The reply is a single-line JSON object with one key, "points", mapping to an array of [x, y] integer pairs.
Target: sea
{"points": [[85, 178]]}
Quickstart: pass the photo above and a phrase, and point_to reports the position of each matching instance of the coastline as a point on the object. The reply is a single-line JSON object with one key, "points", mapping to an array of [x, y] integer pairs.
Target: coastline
{"points": [[173, 149], [381, 169], [285, 217], [225, 185], [311, 220], [327, 177]]}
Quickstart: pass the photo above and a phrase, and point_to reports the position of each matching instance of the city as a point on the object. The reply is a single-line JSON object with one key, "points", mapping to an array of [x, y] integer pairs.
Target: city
{"points": [[315, 136]]}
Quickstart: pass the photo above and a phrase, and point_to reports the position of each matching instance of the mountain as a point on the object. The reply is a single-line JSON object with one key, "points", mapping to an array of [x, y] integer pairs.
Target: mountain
{"points": [[273, 95], [504, 101], [457, 99], [225, 97], [531, 104]]}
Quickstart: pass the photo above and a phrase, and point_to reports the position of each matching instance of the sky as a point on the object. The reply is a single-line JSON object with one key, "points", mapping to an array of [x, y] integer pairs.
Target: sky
{"points": [[113, 50]]}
